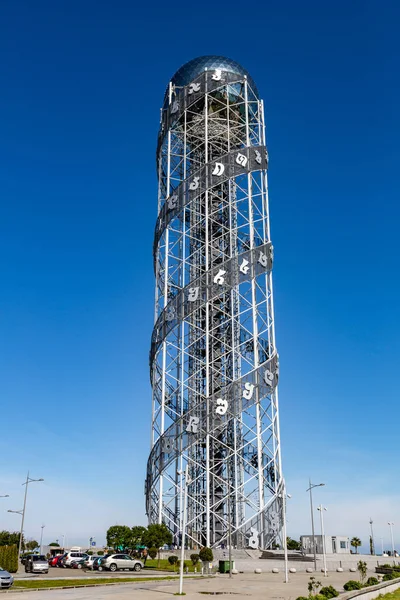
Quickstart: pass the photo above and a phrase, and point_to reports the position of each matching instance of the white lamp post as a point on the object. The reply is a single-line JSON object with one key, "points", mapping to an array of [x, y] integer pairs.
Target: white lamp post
{"points": [[321, 511], [187, 482], [284, 497], [390, 523], [41, 537], [311, 486]]}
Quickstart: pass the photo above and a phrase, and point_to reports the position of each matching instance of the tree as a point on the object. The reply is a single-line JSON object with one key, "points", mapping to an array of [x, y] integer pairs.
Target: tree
{"points": [[54, 544], [156, 536], [173, 560], [362, 569], [195, 559], [10, 538], [292, 544], [138, 533], [206, 554], [371, 546], [31, 545], [119, 537], [355, 542], [313, 586], [153, 553]]}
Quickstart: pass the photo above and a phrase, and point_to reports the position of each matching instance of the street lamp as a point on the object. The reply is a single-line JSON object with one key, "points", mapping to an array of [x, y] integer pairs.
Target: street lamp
{"points": [[284, 497], [321, 510], [187, 483], [5, 496], [22, 513], [312, 485], [41, 538], [390, 523]]}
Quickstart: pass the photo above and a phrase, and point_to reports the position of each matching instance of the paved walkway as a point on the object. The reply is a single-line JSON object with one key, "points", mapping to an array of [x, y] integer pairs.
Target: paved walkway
{"points": [[266, 586]]}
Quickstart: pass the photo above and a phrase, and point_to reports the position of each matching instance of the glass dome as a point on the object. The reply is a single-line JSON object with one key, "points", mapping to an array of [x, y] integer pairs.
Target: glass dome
{"points": [[194, 67]]}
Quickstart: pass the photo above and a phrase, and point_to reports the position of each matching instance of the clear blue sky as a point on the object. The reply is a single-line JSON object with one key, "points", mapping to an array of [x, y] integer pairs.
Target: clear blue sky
{"points": [[81, 86]]}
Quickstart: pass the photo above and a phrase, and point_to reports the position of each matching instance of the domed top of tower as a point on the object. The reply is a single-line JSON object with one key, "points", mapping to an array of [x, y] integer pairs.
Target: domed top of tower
{"points": [[194, 67]]}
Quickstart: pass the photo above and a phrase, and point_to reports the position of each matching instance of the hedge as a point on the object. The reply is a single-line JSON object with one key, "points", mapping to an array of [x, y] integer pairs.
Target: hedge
{"points": [[9, 558]]}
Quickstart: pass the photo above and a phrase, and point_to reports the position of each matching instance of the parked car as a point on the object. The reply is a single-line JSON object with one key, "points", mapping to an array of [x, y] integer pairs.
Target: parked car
{"points": [[26, 556], [6, 579], [74, 556], [59, 560], [78, 564], [97, 563], [36, 563], [90, 560], [115, 562]]}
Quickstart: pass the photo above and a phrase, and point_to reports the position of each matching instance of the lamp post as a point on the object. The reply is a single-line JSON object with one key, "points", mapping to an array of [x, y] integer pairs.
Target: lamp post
{"points": [[390, 523], [5, 496], [311, 486], [41, 537], [187, 482], [284, 497], [26, 483], [321, 510]]}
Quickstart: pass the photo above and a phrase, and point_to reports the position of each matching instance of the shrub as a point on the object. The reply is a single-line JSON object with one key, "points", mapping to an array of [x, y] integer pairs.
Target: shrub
{"points": [[9, 558], [302, 598], [329, 592], [195, 559], [352, 585], [172, 559], [371, 581], [390, 576], [206, 554], [89, 552], [319, 597], [153, 552], [100, 553]]}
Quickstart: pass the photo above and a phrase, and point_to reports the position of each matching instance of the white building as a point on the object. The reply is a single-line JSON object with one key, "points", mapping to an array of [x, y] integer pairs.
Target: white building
{"points": [[334, 544]]}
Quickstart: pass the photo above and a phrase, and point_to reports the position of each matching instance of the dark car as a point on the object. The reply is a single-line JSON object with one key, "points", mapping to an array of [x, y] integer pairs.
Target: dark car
{"points": [[25, 557], [78, 564], [97, 563]]}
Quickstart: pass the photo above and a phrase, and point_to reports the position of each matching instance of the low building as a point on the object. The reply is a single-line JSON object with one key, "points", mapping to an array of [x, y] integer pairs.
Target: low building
{"points": [[334, 544]]}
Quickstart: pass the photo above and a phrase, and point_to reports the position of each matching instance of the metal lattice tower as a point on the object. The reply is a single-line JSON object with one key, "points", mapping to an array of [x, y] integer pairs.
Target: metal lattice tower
{"points": [[213, 360]]}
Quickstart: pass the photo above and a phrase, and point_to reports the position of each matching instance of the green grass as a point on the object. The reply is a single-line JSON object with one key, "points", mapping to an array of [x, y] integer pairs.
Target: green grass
{"points": [[165, 566], [393, 596], [48, 583]]}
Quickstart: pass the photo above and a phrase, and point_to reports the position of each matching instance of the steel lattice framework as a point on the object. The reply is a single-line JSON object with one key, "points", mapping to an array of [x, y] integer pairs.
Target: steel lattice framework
{"points": [[213, 360]]}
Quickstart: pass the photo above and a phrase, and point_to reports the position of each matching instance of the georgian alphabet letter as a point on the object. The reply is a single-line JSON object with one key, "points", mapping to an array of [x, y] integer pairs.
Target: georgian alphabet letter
{"points": [[222, 406], [219, 277], [248, 391], [244, 268], [172, 200], [193, 294], [193, 425], [195, 184], [194, 87], [241, 159], [218, 169]]}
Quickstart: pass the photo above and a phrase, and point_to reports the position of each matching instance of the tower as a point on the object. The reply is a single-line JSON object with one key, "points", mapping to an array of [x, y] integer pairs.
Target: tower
{"points": [[213, 360]]}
